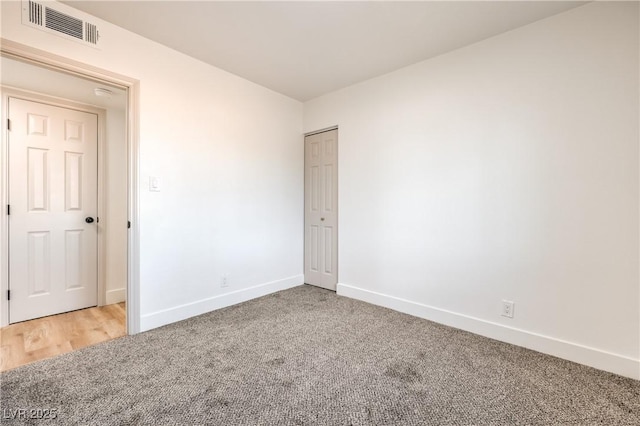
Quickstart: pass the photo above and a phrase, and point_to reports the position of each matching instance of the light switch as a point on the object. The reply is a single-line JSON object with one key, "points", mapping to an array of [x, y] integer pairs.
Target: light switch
{"points": [[154, 184]]}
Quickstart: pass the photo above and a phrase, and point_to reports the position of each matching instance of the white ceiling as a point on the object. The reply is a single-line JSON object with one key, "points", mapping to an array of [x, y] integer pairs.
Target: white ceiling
{"points": [[22, 75], [309, 48]]}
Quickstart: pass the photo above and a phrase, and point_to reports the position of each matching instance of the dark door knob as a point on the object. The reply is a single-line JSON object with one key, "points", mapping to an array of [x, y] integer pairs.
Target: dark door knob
{"points": [[88, 220]]}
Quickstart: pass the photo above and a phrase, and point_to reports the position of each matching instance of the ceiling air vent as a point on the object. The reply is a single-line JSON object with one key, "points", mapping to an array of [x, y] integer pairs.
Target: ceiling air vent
{"points": [[65, 24], [47, 16]]}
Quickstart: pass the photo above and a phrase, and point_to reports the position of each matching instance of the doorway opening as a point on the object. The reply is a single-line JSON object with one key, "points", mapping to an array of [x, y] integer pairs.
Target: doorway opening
{"points": [[40, 80]]}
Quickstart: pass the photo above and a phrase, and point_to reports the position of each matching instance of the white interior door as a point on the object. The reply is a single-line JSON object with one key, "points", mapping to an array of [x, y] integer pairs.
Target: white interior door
{"points": [[321, 209], [53, 161]]}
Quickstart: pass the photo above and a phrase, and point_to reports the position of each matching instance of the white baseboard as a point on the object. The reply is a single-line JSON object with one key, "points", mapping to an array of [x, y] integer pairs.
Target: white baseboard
{"points": [[179, 313], [116, 296], [592, 357]]}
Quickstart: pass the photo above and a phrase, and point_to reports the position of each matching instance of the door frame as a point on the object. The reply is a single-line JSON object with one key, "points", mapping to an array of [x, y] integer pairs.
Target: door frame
{"points": [[304, 200], [11, 92], [47, 60]]}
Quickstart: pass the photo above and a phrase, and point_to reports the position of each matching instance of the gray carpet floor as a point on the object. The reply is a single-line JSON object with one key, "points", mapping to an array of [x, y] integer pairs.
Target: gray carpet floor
{"points": [[305, 356]]}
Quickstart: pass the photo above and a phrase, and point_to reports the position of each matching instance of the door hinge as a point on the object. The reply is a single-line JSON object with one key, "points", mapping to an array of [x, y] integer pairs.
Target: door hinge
{"points": [[8, 294], [8, 209], [8, 124]]}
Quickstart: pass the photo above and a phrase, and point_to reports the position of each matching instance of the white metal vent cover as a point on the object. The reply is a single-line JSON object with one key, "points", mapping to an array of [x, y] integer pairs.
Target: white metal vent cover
{"points": [[46, 16]]}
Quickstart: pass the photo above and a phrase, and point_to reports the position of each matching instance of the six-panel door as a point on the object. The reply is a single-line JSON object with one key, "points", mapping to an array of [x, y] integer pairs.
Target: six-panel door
{"points": [[52, 191], [321, 209]]}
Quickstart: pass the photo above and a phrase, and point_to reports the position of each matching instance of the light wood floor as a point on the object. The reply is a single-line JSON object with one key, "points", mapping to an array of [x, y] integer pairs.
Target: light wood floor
{"points": [[29, 341]]}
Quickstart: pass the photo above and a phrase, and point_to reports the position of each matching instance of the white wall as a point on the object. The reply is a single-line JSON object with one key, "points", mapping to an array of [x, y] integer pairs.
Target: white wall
{"points": [[229, 156], [504, 170], [116, 206]]}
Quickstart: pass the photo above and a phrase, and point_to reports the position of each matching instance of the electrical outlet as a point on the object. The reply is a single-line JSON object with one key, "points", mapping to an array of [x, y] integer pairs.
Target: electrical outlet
{"points": [[507, 309], [224, 280]]}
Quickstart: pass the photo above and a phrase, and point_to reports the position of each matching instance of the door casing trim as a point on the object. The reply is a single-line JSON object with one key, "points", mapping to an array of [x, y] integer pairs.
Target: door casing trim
{"points": [[326, 129]]}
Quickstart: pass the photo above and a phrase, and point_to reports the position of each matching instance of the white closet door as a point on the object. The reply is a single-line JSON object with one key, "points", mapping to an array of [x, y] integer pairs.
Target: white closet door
{"points": [[321, 209]]}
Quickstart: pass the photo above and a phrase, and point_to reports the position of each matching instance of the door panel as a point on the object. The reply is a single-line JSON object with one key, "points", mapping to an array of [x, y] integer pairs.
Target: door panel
{"points": [[73, 181], [52, 189], [73, 258], [39, 263], [321, 212], [38, 179]]}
